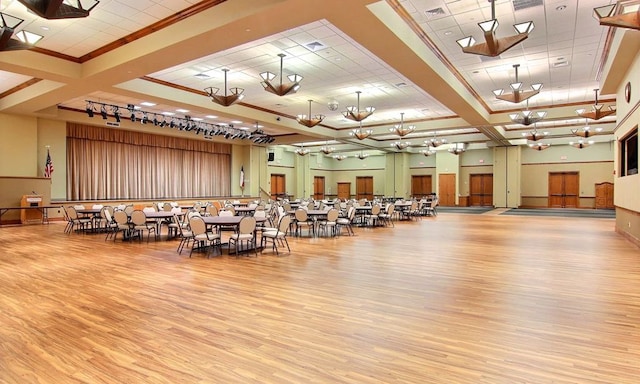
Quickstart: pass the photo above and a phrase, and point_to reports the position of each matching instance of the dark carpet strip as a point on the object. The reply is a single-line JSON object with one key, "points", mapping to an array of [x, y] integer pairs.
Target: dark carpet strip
{"points": [[591, 213]]}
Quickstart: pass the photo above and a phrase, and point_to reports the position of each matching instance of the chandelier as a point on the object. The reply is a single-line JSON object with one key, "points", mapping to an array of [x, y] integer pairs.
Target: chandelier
{"points": [[434, 141], [354, 113], [539, 146], [494, 46], [360, 133], [302, 151], [517, 95], [23, 40], [457, 148], [527, 117], [309, 121], [283, 88], [534, 135], [400, 145], [362, 155], [596, 112], [428, 152], [581, 143], [57, 9], [623, 14], [326, 149], [586, 132], [400, 129], [226, 100], [339, 157]]}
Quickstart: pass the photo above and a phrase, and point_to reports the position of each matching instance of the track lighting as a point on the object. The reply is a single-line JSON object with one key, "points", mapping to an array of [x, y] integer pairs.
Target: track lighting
{"points": [[187, 124]]}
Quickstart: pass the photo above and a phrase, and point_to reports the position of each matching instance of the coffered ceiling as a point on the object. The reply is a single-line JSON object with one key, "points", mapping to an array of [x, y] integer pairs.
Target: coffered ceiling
{"points": [[400, 54]]}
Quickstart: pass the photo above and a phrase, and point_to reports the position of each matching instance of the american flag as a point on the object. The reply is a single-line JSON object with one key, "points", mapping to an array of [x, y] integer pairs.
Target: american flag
{"points": [[242, 177], [48, 166]]}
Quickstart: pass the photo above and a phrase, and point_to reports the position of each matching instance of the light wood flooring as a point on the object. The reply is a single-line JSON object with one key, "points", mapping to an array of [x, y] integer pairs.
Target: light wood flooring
{"points": [[450, 299]]}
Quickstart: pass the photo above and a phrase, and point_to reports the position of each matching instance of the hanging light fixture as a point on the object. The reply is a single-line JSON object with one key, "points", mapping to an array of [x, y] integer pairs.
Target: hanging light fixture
{"points": [[326, 149], [581, 143], [354, 113], [309, 121], [400, 145], [586, 131], [228, 99], [280, 89], [400, 129], [362, 155], [339, 157], [539, 146], [434, 141], [534, 135], [622, 14], [302, 151], [23, 40], [457, 148], [596, 112], [517, 95], [360, 133], [494, 46], [58, 9], [527, 117], [428, 152]]}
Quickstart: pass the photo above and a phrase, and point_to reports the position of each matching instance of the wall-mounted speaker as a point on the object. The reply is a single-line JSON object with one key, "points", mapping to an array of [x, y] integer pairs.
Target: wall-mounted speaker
{"points": [[271, 157]]}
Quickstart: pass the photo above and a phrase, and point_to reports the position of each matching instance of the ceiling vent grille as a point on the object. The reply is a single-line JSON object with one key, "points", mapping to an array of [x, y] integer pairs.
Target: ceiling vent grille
{"points": [[435, 12], [314, 46], [524, 4]]}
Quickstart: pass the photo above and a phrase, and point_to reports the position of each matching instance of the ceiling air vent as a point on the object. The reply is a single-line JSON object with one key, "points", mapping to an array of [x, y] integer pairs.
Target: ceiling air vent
{"points": [[314, 46], [559, 64], [435, 12], [524, 4]]}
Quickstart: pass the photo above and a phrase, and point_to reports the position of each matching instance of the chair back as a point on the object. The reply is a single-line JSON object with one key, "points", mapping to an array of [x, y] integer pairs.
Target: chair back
{"points": [[138, 217], [149, 209], [107, 215], [247, 225], [120, 217], [375, 209], [390, 208], [332, 215], [97, 206], [128, 209], [284, 224], [71, 211], [225, 213], [198, 225], [259, 214], [301, 215]]}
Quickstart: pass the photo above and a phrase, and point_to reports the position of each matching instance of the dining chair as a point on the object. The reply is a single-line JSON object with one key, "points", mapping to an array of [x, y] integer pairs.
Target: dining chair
{"points": [[203, 238], [245, 234], [141, 224], [278, 235], [330, 223]]}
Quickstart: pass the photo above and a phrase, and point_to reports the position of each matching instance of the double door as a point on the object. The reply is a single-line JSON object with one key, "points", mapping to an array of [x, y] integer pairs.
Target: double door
{"points": [[481, 190], [563, 189]]}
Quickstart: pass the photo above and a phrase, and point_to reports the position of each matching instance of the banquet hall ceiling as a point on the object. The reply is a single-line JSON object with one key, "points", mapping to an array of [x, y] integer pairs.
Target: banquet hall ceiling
{"points": [[400, 54]]}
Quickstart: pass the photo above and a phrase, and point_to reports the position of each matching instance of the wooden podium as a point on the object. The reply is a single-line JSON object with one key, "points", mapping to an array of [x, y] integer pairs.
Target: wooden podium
{"points": [[31, 215]]}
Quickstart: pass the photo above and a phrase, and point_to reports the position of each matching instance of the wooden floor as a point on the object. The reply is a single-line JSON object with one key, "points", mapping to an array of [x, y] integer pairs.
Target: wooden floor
{"points": [[451, 299]]}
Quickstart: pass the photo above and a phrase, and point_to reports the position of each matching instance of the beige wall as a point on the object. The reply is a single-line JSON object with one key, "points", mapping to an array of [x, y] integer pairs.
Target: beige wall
{"points": [[19, 146]]}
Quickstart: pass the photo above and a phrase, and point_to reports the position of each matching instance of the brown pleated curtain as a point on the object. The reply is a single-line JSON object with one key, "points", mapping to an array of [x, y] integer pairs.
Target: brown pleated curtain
{"points": [[112, 164]]}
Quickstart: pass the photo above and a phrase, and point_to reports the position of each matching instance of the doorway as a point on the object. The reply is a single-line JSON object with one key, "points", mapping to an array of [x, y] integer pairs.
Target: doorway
{"points": [[278, 186], [364, 187], [481, 190], [447, 189], [344, 191], [318, 187], [421, 186], [563, 189]]}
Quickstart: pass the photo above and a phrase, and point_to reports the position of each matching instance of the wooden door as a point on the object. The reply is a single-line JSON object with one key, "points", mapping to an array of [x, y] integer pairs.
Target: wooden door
{"points": [[318, 187], [344, 191], [278, 186], [481, 190], [604, 195], [364, 187], [447, 189], [421, 186], [563, 189]]}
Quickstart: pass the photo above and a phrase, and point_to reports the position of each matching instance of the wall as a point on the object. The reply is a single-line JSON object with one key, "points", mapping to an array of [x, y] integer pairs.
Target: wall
{"points": [[472, 163], [19, 146], [626, 188], [594, 165]]}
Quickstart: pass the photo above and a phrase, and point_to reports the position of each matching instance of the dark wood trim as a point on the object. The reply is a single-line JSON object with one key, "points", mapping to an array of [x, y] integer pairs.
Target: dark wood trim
{"points": [[570, 162], [20, 87]]}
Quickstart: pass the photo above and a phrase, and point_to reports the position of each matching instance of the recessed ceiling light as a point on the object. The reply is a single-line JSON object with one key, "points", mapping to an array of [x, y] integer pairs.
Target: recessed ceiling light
{"points": [[448, 33], [182, 110], [244, 128], [44, 28], [236, 122], [147, 104], [211, 117], [561, 7], [168, 113], [201, 76]]}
